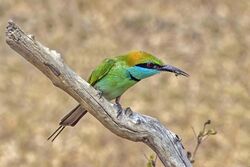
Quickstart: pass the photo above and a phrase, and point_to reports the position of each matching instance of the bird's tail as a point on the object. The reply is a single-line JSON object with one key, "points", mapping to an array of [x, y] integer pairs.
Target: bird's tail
{"points": [[70, 119]]}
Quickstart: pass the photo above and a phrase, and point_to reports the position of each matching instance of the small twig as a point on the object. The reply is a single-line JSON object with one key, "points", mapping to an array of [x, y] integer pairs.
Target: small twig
{"points": [[130, 125], [203, 135], [155, 160]]}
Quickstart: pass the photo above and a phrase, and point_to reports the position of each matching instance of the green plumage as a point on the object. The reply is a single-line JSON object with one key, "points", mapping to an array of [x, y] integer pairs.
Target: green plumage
{"points": [[111, 78], [114, 76], [101, 71]]}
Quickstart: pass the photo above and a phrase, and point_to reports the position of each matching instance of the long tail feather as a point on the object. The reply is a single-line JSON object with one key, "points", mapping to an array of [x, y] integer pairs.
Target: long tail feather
{"points": [[71, 119]]}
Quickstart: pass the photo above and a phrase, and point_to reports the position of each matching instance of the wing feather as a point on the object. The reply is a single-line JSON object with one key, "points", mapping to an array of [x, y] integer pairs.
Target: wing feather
{"points": [[101, 71]]}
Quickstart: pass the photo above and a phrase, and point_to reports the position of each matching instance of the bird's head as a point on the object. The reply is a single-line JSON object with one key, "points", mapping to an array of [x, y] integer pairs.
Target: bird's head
{"points": [[143, 65]]}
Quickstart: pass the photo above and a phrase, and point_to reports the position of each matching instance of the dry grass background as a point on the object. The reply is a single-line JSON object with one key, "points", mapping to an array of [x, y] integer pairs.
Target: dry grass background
{"points": [[208, 38]]}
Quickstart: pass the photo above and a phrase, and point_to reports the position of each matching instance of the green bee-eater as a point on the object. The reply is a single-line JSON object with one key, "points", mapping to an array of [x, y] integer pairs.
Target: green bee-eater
{"points": [[114, 76]]}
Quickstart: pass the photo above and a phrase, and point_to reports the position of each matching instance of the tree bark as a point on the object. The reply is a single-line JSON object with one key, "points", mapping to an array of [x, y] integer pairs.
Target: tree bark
{"points": [[129, 125]]}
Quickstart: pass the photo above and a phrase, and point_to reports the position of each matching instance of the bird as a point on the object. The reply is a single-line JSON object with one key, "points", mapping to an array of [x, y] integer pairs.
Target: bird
{"points": [[114, 76]]}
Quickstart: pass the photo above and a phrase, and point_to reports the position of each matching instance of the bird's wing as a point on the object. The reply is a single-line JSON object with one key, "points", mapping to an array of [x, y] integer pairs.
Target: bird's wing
{"points": [[101, 71]]}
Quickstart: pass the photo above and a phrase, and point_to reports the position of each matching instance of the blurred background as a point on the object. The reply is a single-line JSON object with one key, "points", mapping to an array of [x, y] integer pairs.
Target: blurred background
{"points": [[209, 39]]}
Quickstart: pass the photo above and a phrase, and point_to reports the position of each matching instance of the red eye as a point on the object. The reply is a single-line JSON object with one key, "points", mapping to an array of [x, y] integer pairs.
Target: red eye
{"points": [[150, 65]]}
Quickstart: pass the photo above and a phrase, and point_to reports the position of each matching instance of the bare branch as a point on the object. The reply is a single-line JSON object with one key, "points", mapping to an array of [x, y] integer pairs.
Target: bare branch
{"points": [[130, 125]]}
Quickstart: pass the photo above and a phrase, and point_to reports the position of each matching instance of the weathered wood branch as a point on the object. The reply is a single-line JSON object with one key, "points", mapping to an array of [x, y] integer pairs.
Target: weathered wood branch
{"points": [[130, 125]]}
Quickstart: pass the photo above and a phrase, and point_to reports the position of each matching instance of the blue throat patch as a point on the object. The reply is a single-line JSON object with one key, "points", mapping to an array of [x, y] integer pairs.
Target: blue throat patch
{"points": [[141, 73]]}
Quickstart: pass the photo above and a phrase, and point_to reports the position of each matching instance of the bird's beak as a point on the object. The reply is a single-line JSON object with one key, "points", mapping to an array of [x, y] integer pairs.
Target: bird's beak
{"points": [[173, 69]]}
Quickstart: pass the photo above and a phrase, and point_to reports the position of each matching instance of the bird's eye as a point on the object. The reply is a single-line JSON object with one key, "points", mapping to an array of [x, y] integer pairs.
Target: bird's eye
{"points": [[150, 65]]}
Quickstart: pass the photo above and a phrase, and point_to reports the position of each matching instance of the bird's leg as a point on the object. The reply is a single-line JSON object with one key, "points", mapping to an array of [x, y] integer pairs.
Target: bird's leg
{"points": [[118, 105], [100, 94]]}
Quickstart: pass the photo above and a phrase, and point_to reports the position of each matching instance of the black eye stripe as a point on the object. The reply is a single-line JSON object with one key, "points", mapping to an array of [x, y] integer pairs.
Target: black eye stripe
{"points": [[148, 65], [142, 65]]}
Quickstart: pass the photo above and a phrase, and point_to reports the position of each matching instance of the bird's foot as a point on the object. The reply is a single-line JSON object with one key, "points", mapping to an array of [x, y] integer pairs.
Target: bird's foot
{"points": [[118, 106], [99, 93], [128, 111], [119, 109]]}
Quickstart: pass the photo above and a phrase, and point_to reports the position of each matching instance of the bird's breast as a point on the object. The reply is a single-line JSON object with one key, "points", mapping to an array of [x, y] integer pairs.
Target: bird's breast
{"points": [[115, 83]]}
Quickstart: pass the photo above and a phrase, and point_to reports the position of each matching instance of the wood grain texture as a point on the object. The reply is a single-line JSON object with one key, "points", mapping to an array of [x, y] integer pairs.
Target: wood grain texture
{"points": [[129, 125]]}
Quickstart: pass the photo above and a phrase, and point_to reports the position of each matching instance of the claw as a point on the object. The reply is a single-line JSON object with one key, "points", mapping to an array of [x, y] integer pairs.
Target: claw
{"points": [[119, 110], [100, 94], [128, 111], [119, 106]]}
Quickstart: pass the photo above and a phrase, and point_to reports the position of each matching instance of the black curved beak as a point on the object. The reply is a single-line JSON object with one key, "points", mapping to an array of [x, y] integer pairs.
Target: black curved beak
{"points": [[173, 69]]}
